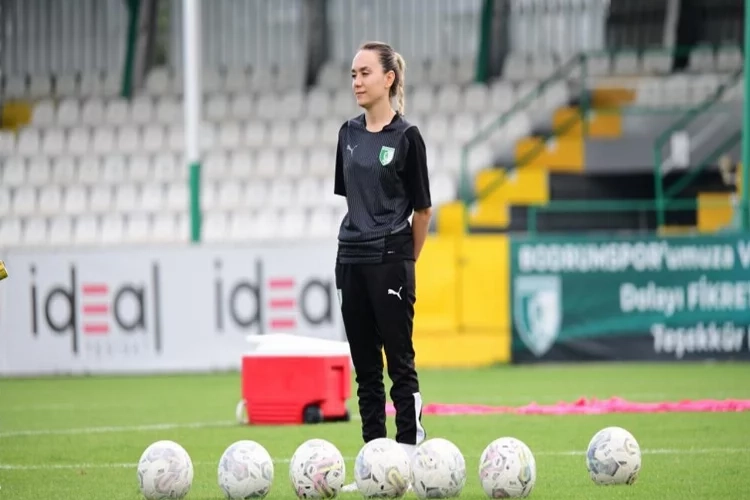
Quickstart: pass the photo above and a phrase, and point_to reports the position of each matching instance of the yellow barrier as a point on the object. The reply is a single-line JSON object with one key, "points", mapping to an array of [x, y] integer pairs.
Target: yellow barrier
{"points": [[462, 310], [15, 114], [715, 211]]}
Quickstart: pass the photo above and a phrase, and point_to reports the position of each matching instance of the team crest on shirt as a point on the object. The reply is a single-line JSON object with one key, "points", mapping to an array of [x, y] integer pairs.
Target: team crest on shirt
{"points": [[386, 155]]}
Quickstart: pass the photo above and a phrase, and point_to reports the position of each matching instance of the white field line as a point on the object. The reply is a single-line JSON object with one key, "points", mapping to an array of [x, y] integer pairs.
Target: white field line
{"points": [[115, 429], [569, 453], [483, 400]]}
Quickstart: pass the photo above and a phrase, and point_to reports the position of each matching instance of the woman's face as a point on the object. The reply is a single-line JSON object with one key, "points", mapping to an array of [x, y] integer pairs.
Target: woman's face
{"points": [[369, 82]]}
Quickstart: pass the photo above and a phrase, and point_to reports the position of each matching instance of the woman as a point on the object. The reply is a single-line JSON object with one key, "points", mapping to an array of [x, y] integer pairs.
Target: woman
{"points": [[381, 170]]}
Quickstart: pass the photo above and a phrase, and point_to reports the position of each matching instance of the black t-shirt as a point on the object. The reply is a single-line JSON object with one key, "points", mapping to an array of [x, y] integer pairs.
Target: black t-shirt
{"points": [[383, 176]]}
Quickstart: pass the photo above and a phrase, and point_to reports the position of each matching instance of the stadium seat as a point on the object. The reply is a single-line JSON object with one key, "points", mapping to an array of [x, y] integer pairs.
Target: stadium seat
{"points": [[114, 169], [11, 232], [229, 196], [79, 141], [64, 170], [112, 229], [256, 193], [216, 226], [92, 113], [240, 165], [241, 107], [40, 86], [138, 228], [241, 227], [292, 224], [4, 201], [177, 197], [15, 87], [35, 232], [293, 164], [139, 168], [43, 114], [117, 112], [266, 224], [7, 143], [60, 231], [24, 201], [29, 142], [50, 200], [152, 197], [322, 223], [66, 85], [38, 171], [75, 200], [101, 199], [86, 230], [165, 229], [230, 135]]}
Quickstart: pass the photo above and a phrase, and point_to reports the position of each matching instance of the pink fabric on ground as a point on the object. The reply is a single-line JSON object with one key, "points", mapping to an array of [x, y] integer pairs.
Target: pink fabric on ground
{"points": [[584, 406]]}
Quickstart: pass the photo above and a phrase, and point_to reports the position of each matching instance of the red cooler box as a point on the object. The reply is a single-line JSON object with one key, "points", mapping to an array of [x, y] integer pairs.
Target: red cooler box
{"points": [[288, 379]]}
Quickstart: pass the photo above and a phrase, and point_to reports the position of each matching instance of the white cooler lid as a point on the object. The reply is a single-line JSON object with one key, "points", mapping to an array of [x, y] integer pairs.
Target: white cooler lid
{"points": [[285, 344]]}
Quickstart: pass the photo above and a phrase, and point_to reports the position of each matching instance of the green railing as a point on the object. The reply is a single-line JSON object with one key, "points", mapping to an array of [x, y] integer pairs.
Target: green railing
{"points": [[581, 61], [663, 196], [466, 191], [606, 207]]}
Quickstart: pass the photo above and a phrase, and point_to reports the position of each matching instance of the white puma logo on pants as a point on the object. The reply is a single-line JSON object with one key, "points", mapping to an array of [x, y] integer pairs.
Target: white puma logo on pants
{"points": [[397, 294]]}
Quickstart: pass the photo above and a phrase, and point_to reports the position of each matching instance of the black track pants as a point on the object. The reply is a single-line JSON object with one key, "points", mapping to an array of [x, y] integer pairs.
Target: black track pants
{"points": [[377, 305]]}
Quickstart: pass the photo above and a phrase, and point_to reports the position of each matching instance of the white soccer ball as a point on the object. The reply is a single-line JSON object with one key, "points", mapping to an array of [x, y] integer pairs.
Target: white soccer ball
{"points": [[438, 469], [613, 457], [245, 471], [507, 469], [317, 470], [165, 471], [381, 469]]}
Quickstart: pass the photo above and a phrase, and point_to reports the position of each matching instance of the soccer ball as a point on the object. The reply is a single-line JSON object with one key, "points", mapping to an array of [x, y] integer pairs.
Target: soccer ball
{"points": [[381, 469], [165, 471], [507, 469], [245, 471], [613, 457], [317, 470], [438, 469]]}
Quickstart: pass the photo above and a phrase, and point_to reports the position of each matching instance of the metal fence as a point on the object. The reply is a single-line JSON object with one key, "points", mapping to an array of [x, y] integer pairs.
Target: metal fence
{"points": [[418, 29], [41, 37], [244, 33], [557, 26], [74, 36]]}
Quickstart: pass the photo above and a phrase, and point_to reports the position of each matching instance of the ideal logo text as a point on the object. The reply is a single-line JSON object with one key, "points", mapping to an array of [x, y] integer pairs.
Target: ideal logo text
{"points": [[105, 317], [280, 302]]}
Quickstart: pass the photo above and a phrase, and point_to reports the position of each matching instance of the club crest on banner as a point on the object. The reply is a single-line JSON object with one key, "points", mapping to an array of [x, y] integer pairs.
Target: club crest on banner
{"points": [[537, 311]]}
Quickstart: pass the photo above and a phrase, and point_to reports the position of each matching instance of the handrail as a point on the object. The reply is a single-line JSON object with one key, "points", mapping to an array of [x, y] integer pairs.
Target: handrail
{"points": [[608, 205], [520, 105], [466, 192], [712, 157], [690, 115], [529, 156]]}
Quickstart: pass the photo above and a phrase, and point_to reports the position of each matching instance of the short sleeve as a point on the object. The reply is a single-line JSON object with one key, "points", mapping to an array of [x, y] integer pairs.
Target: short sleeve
{"points": [[416, 177], [338, 181]]}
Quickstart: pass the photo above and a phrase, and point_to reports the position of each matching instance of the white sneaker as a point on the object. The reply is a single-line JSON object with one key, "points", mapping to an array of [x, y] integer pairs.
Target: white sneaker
{"points": [[409, 449], [349, 488], [352, 487]]}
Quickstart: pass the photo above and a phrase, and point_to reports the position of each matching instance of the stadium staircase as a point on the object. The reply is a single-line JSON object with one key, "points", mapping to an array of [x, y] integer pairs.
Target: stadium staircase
{"points": [[547, 174]]}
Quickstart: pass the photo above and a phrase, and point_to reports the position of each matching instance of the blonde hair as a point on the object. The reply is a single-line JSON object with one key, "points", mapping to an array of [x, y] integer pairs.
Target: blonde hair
{"points": [[391, 61]]}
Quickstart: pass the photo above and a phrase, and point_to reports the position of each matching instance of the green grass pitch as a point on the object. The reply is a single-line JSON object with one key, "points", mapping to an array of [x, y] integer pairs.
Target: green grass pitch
{"points": [[80, 437]]}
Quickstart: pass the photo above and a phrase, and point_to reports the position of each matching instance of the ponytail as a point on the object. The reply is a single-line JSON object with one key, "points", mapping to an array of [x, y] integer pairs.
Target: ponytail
{"points": [[391, 61], [401, 86]]}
